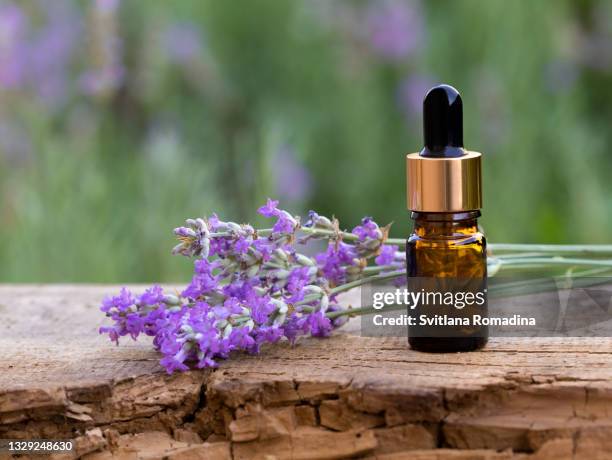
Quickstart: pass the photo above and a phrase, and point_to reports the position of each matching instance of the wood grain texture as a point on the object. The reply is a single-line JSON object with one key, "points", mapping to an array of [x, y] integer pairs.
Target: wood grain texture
{"points": [[340, 397]]}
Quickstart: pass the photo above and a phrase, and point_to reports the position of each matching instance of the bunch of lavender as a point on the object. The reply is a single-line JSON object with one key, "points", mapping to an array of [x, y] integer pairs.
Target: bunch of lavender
{"points": [[253, 286]]}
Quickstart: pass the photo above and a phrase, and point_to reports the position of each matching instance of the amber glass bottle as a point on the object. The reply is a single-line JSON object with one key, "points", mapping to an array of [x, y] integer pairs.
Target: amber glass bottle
{"points": [[446, 253], [449, 248]]}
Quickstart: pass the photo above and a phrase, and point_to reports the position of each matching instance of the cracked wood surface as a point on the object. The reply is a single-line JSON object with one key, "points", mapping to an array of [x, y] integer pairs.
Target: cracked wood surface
{"points": [[346, 396]]}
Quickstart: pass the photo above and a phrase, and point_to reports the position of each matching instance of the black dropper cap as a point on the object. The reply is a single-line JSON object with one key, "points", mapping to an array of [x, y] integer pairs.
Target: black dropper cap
{"points": [[443, 123]]}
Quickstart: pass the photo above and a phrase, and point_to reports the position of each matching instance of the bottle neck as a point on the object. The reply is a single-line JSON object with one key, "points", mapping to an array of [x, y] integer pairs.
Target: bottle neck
{"points": [[445, 223]]}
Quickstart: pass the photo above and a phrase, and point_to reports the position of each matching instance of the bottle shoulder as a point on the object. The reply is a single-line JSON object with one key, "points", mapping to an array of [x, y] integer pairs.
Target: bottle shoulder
{"points": [[451, 239]]}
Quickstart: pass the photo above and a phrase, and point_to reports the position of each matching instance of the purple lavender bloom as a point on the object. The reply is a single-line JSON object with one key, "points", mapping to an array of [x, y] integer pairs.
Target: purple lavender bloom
{"points": [[246, 290], [203, 281], [265, 248], [318, 324], [175, 362], [123, 310], [333, 261], [367, 229], [396, 28], [121, 302], [213, 222], [270, 209], [297, 280], [386, 255], [241, 339], [292, 327], [152, 296], [269, 334], [231, 306], [285, 224], [261, 309], [242, 245]]}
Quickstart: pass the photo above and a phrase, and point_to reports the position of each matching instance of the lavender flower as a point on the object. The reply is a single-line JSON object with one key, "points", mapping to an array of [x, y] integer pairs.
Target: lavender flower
{"points": [[395, 28], [249, 287], [193, 239], [386, 255]]}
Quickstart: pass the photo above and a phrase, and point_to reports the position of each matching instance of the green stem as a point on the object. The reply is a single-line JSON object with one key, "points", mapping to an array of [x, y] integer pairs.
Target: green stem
{"points": [[366, 280], [552, 261], [378, 268], [558, 249]]}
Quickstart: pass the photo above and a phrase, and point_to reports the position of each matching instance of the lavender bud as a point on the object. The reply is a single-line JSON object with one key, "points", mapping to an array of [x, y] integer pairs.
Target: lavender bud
{"points": [[205, 251], [215, 298], [324, 303], [252, 271], [305, 261], [260, 291], [312, 289], [185, 232], [279, 319], [170, 299], [281, 274], [234, 228], [281, 254], [372, 244], [281, 306], [315, 220]]}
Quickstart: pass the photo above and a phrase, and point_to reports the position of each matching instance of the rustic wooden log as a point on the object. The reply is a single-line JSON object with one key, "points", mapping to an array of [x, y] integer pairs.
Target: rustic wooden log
{"points": [[340, 397]]}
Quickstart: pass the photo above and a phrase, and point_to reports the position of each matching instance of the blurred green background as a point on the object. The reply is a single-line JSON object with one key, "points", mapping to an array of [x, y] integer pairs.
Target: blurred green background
{"points": [[118, 120]]}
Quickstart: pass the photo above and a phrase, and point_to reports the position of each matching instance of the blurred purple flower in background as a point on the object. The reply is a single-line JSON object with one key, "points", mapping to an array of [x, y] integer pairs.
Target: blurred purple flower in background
{"points": [[51, 52], [411, 92], [395, 28], [38, 59], [182, 42], [560, 75], [13, 25], [107, 72], [293, 180]]}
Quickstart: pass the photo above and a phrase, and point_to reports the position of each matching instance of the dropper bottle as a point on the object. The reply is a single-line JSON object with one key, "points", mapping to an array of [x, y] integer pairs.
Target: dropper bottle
{"points": [[446, 252]]}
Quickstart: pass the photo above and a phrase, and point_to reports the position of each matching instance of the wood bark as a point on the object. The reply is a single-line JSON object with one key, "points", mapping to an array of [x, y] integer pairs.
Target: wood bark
{"points": [[345, 396]]}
